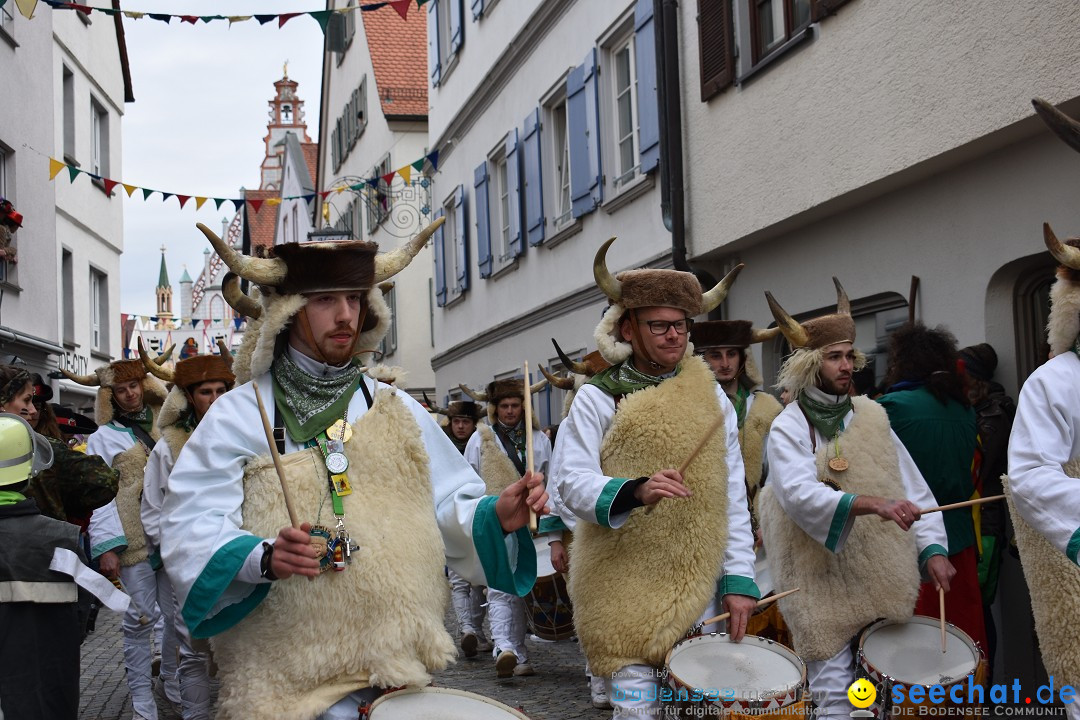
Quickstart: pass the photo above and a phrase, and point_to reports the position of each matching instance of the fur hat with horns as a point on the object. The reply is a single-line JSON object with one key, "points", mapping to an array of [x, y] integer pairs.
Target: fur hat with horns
{"points": [[121, 371], [294, 270], [500, 390], [458, 408], [728, 333], [1063, 324], [188, 372], [633, 289], [577, 374]]}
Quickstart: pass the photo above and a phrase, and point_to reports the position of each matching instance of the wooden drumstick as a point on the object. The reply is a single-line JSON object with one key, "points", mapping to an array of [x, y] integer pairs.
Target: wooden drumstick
{"points": [[277, 458], [694, 453], [954, 506], [530, 464], [941, 605], [760, 603]]}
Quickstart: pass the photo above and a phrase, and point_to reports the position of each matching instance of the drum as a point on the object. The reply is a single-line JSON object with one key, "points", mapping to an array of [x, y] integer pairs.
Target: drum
{"points": [[767, 622], [898, 653], [708, 675], [438, 703], [548, 608]]}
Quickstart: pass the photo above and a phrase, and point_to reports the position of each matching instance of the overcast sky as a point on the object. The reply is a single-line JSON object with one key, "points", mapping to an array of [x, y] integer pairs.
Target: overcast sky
{"points": [[197, 124]]}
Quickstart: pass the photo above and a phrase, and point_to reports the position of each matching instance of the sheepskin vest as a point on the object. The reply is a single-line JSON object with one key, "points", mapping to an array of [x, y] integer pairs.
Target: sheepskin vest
{"points": [[131, 464], [1054, 583], [176, 437], [380, 622], [496, 468], [876, 575], [759, 419], [638, 589]]}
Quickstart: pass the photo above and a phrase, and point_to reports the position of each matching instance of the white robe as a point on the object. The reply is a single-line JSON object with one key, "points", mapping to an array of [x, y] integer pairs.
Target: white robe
{"points": [[1045, 436], [105, 530], [155, 488], [202, 543], [579, 481], [541, 450]]}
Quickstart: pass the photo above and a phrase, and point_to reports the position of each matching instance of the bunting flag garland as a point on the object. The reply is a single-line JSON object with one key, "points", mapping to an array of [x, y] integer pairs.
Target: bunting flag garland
{"points": [[405, 172], [401, 7]]}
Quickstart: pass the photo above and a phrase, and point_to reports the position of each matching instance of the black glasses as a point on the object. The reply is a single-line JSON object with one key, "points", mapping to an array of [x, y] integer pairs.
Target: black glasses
{"points": [[660, 327]]}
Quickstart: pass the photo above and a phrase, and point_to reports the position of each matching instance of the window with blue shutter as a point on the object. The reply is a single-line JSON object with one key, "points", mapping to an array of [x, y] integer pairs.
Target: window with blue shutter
{"points": [[461, 241], [582, 109], [434, 64], [477, 9], [484, 259], [440, 269], [457, 27], [532, 170], [513, 185], [648, 106]]}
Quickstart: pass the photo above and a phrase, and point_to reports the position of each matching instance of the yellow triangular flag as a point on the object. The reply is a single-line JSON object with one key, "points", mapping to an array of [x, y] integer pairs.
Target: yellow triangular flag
{"points": [[273, 201], [26, 7], [199, 202], [55, 166], [340, 189], [134, 15], [129, 188], [238, 18], [405, 173]]}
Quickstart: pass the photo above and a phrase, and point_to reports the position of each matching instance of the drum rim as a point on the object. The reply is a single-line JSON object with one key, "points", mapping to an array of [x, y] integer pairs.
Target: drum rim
{"points": [[557, 633], [863, 661], [786, 652], [438, 690]]}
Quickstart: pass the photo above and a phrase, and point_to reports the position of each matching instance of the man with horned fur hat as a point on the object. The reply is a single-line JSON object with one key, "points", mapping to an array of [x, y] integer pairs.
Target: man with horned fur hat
{"points": [[640, 580], [356, 453], [1044, 459], [496, 452], [832, 458], [197, 382], [128, 401]]}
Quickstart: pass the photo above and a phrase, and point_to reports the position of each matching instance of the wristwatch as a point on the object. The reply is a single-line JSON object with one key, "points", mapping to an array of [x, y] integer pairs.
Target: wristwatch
{"points": [[265, 569]]}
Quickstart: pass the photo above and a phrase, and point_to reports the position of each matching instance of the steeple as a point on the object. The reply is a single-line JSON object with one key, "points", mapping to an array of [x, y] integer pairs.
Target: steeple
{"points": [[286, 115], [164, 296]]}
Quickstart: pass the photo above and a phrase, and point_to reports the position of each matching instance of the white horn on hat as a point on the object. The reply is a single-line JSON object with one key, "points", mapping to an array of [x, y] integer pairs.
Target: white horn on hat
{"points": [[264, 271], [1063, 126], [843, 305], [1067, 255], [604, 279], [91, 380], [794, 332], [387, 265], [760, 336], [712, 299], [563, 383], [477, 396], [152, 366], [238, 300]]}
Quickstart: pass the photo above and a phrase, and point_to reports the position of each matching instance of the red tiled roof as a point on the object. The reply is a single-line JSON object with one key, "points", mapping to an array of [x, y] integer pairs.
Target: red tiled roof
{"points": [[311, 157], [263, 224], [399, 55]]}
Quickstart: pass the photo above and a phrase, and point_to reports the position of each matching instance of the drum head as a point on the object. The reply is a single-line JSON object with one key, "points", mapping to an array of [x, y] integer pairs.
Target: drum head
{"points": [[754, 668], [543, 556], [438, 703], [910, 653]]}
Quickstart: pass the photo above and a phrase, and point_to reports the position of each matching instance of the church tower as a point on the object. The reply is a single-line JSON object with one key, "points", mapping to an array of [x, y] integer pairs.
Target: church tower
{"points": [[164, 296], [286, 115]]}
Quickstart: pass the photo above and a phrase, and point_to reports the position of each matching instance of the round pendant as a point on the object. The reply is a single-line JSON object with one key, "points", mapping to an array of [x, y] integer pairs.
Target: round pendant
{"points": [[838, 464], [337, 463], [334, 431]]}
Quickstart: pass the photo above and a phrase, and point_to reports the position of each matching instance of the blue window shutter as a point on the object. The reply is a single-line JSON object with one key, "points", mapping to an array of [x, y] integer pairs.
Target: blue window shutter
{"points": [[462, 240], [440, 267], [580, 194], [513, 184], [434, 66], [484, 259], [532, 166], [477, 9], [457, 27], [648, 106], [592, 124]]}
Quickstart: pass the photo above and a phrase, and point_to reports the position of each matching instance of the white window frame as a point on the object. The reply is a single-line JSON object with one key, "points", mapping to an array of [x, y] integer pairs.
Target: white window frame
{"points": [[556, 171], [67, 289], [499, 209], [623, 174], [446, 58], [99, 310], [67, 79], [450, 255], [99, 138]]}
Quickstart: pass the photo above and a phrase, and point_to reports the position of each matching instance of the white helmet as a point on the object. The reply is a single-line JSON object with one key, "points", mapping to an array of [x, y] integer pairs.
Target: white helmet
{"points": [[23, 453]]}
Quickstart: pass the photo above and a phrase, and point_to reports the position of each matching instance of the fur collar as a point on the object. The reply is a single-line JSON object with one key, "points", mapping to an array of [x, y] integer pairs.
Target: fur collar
{"points": [[1063, 324], [610, 343], [154, 394]]}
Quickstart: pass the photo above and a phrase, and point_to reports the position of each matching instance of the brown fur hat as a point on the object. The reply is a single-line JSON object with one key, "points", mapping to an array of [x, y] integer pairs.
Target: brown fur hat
{"points": [[820, 332], [660, 288], [722, 333], [465, 409], [203, 368], [326, 266], [121, 371], [501, 389]]}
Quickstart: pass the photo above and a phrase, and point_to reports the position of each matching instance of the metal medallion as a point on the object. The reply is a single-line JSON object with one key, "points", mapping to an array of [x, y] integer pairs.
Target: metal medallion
{"points": [[838, 464], [337, 463]]}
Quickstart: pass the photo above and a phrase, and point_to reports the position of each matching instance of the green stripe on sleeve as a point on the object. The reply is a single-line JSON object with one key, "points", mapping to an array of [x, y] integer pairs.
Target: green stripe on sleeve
{"points": [[550, 523], [738, 585], [120, 541], [211, 584], [603, 503], [490, 542], [929, 551], [1073, 548], [839, 521]]}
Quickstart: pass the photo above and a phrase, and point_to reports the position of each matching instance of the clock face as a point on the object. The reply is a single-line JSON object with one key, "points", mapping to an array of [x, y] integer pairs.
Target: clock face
{"points": [[337, 463]]}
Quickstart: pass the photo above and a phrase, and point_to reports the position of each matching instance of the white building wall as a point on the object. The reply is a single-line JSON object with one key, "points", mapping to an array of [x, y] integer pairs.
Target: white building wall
{"points": [[293, 215]]}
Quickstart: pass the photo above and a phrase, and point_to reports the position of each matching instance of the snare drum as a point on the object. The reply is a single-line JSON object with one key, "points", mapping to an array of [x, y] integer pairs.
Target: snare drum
{"points": [[708, 675], [438, 703], [767, 622], [548, 608], [898, 653]]}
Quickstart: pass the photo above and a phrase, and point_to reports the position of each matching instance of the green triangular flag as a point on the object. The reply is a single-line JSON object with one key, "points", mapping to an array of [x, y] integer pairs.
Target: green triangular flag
{"points": [[322, 17], [218, 201], [73, 172], [419, 165], [146, 193]]}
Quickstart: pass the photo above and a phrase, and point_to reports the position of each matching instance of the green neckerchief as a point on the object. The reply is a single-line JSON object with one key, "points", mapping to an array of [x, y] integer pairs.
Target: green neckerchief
{"points": [[10, 497], [516, 435], [739, 401], [188, 422], [309, 404], [827, 418], [143, 418], [624, 378]]}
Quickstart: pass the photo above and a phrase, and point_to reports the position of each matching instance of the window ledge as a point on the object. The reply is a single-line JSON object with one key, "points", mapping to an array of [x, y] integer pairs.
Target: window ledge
{"points": [[630, 192], [10, 286], [70, 344], [98, 355], [69, 160], [505, 269], [567, 231], [454, 300], [448, 67], [100, 185], [774, 55]]}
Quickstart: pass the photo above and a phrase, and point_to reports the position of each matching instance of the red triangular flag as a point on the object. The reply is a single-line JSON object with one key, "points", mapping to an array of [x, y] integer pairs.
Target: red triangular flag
{"points": [[401, 7], [324, 193], [189, 19], [255, 205], [183, 199], [286, 17], [109, 185], [389, 177]]}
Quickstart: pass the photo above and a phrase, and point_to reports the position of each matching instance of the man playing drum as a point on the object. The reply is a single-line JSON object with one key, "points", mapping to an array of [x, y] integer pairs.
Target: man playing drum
{"points": [[641, 578], [832, 458]]}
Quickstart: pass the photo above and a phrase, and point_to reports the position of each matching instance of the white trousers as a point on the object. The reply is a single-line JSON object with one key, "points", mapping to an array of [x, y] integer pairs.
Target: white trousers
{"points": [[193, 673], [142, 584], [829, 681], [634, 690], [468, 602], [507, 615]]}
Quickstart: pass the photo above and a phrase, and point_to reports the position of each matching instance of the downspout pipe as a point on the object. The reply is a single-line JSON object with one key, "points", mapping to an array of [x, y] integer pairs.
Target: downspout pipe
{"points": [[669, 99]]}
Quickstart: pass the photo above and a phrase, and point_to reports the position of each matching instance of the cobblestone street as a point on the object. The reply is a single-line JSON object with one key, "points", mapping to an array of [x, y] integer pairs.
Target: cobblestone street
{"points": [[558, 691]]}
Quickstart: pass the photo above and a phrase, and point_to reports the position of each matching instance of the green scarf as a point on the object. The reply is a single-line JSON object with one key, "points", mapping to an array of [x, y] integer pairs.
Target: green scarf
{"points": [[827, 418], [739, 401], [143, 418], [10, 497], [308, 403], [624, 379]]}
